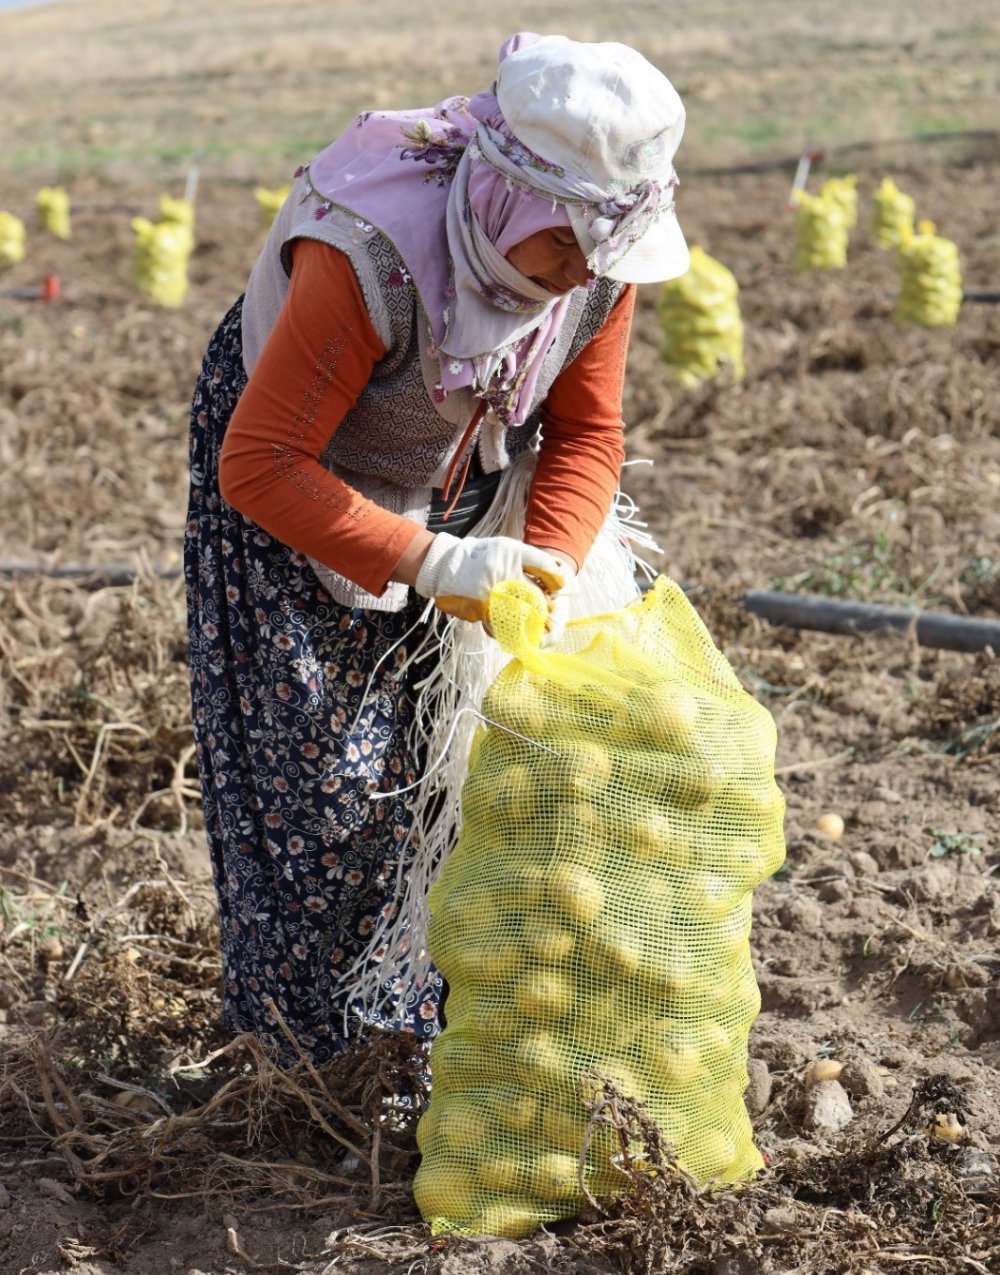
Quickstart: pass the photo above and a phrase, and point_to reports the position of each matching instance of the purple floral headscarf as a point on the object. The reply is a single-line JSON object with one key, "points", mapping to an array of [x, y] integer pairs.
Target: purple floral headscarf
{"points": [[454, 190]]}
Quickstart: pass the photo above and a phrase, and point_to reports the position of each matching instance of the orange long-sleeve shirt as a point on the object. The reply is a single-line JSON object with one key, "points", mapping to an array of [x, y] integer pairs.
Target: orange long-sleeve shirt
{"points": [[314, 365]]}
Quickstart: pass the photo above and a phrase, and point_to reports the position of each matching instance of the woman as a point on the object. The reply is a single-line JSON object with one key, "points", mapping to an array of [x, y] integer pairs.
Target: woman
{"points": [[443, 302]]}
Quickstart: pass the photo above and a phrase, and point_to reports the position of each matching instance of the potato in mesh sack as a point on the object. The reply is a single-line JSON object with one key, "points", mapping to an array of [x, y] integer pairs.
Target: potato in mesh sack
{"points": [[12, 240], [821, 232], [700, 319], [893, 212], [930, 279], [619, 809]]}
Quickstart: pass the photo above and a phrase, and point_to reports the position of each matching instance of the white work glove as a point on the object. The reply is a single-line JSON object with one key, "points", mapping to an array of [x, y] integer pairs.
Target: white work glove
{"points": [[459, 573]]}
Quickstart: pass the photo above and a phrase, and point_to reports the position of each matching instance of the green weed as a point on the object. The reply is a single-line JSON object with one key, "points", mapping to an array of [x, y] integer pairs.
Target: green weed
{"points": [[858, 570], [18, 923], [952, 843], [930, 125], [971, 740]]}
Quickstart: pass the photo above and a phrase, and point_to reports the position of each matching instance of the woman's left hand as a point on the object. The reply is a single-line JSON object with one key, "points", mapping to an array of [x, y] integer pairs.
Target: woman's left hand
{"points": [[559, 599]]}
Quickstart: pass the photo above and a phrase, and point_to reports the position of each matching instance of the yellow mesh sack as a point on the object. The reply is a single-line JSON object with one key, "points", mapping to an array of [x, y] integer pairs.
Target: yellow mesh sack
{"points": [[12, 240], [820, 232], [52, 203], [844, 192], [269, 203], [160, 253], [892, 214], [179, 211], [700, 321], [930, 279], [594, 917]]}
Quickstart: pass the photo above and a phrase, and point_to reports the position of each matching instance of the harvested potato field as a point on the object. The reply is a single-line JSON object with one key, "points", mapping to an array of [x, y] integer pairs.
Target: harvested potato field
{"points": [[857, 460]]}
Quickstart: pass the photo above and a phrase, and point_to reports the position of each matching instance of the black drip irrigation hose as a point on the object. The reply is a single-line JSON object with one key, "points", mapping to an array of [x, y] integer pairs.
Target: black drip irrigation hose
{"points": [[939, 629], [104, 575]]}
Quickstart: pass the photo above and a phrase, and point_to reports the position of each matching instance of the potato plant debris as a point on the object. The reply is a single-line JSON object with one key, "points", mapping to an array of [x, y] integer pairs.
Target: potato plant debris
{"points": [[858, 458]]}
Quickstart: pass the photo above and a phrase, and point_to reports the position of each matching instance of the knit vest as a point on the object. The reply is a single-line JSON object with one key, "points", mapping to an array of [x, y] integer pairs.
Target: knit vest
{"points": [[396, 443]]}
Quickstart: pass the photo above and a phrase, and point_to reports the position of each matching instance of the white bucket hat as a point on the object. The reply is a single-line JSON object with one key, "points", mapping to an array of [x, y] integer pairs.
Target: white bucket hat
{"points": [[613, 122]]}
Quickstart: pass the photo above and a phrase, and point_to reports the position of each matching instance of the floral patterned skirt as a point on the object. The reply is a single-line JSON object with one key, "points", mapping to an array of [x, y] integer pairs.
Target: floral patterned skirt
{"points": [[301, 712]]}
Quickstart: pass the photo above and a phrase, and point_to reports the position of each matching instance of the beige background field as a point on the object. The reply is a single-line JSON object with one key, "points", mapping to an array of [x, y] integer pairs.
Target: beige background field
{"points": [[102, 86]]}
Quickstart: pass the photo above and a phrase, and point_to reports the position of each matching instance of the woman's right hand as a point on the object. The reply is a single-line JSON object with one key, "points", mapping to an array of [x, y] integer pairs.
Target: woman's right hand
{"points": [[459, 573]]}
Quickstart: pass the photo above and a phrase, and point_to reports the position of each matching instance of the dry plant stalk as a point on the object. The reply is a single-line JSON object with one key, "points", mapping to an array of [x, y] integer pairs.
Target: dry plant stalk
{"points": [[234, 1146], [96, 702]]}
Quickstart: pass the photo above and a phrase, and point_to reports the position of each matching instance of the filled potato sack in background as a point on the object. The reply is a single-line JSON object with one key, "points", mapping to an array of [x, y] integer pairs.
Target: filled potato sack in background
{"points": [[52, 204], [821, 231], [893, 212], [930, 279], [12, 240], [700, 321]]}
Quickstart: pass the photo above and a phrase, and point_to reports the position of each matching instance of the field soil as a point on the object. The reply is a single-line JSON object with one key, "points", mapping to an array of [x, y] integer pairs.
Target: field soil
{"points": [[858, 458]]}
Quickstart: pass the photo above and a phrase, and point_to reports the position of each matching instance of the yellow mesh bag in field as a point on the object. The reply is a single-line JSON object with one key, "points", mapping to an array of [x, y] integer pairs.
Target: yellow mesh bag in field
{"points": [[12, 240], [821, 226], [52, 203], [844, 192], [178, 211], [700, 320], [930, 279], [160, 253], [892, 214], [619, 809], [269, 203]]}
